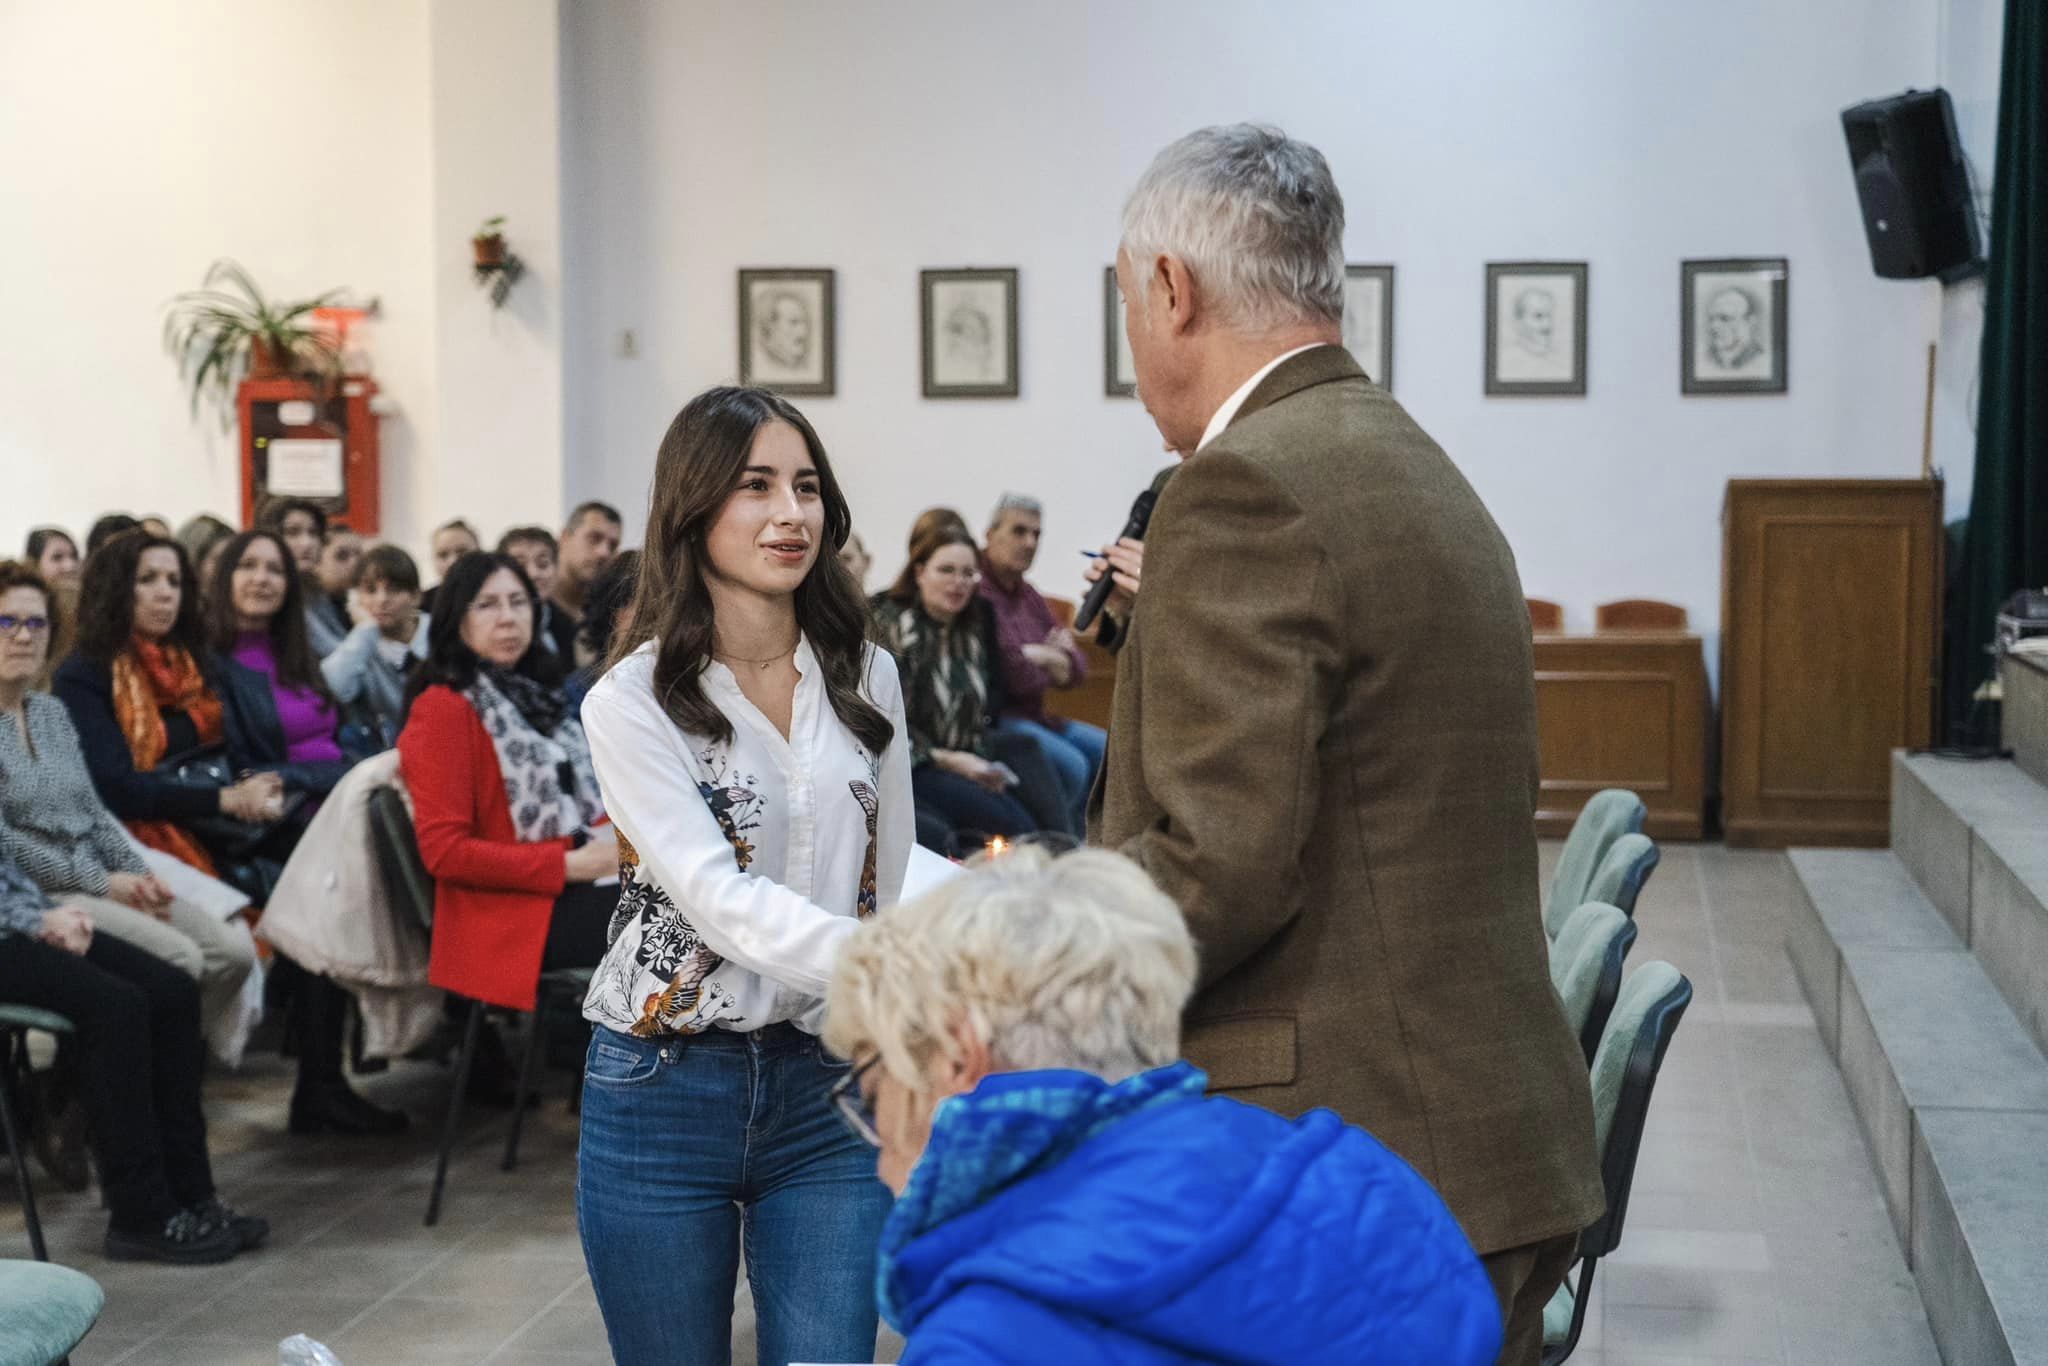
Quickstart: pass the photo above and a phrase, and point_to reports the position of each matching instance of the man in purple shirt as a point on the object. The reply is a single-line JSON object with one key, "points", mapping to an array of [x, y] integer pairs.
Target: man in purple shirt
{"points": [[1037, 653]]}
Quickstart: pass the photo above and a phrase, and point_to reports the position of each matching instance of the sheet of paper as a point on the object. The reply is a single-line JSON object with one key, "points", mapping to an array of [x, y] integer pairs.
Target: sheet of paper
{"points": [[926, 871], [305, 467]]}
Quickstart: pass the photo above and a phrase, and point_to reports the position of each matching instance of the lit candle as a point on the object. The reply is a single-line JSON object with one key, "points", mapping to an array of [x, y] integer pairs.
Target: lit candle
{"points": [[998, 846]]}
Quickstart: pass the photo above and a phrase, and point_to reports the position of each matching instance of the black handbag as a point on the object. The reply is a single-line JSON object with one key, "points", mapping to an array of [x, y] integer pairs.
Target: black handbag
{"points": [[208, 769]]}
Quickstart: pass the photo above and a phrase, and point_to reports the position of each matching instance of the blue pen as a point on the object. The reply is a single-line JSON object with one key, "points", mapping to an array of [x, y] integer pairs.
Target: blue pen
{"points": [[1092, 554]]}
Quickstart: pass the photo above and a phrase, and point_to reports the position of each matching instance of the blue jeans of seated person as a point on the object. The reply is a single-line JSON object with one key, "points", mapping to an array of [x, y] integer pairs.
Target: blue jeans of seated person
{"points": [[686, 1141], [963, 813], [1075, 750]]}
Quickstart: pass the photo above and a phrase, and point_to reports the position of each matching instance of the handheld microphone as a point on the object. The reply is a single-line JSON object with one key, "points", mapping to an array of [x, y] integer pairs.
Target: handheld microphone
{"points": [[1134, 530]]}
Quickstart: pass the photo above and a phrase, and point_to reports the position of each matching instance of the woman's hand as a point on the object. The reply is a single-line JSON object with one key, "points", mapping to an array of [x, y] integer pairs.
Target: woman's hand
{"points": [[257, 799], [68, 928], [597, 859], [972, 767], [142, 891]]}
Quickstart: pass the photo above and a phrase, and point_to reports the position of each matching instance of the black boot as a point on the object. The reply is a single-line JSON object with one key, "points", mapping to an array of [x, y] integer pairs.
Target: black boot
{"points": [[322, 1101]]}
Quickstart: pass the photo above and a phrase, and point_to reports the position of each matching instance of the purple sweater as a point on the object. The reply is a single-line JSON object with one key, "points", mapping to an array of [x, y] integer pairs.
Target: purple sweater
{"points": [[1023, 617], [308, 720]]}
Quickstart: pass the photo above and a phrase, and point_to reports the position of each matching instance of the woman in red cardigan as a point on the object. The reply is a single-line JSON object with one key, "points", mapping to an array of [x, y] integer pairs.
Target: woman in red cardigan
{"points": [[506, 807]]}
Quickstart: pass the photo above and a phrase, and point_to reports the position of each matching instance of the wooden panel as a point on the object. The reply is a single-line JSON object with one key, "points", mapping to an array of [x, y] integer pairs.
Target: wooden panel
{"points": [[1627, 709], [1545, 615], [1639, 614], [1830, 592]]}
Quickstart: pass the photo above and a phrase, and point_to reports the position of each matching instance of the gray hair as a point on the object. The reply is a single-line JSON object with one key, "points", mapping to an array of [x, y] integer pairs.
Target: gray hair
{"points": [[1254, 214], [1015, 502], [1074, 962]]}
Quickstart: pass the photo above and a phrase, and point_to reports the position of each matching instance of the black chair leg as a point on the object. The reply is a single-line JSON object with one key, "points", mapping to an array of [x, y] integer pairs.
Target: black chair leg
{"points": [[470, 1032], [15, 1152], [529, 1064]]}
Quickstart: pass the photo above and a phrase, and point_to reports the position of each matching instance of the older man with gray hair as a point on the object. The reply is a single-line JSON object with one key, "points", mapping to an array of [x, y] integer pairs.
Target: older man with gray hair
{"points": [[1323, 744], [1037, 655]]}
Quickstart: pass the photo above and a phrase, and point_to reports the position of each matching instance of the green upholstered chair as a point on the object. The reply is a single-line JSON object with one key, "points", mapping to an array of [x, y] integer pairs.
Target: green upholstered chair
{"points": [[1619, 879], [1606, 818], [45, 1311], [1585, 967], [15, 1023], [1639, 1031]]}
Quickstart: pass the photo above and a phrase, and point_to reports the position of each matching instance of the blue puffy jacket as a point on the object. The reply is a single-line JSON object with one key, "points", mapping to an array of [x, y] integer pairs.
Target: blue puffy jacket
{"points": [[1057, 1218]]}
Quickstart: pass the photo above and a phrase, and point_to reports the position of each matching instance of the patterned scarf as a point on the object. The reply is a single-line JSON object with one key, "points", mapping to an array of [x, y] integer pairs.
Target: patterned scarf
{"points": [[549, 783], [149, 679], [945, 671]]}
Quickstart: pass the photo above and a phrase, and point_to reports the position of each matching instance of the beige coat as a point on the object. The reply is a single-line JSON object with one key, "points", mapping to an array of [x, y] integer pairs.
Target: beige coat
{"points": [[1324, 748]]}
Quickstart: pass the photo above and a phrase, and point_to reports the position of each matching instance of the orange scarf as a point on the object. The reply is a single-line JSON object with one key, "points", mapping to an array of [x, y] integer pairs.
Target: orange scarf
{"points": [[149, 679]]}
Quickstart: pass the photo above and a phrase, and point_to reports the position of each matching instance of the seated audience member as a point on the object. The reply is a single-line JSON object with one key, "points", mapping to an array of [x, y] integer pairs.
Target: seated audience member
{"points": [[1066, 1191], [341, 551], [368, 671], [932, 520], [55, 828], [607, 604], [514, 891], [451, 541], [280, 720], [138, 693], [106, 529], [534, 547], [590, 541], [54, 555], [854, 555], [1037, 653], [943, 639], [204, 537], [137, 1022], [301, 525]]}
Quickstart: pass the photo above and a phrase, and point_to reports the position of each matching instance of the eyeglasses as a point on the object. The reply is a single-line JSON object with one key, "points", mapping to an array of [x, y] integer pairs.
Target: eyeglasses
{"points": [[518, 604], [970, 575], [35, 626], [853, 1107]]}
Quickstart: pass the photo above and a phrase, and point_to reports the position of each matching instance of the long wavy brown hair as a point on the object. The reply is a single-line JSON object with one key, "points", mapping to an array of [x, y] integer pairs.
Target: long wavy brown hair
{"points": [[106, 598], [297, 666], [701, 460]]}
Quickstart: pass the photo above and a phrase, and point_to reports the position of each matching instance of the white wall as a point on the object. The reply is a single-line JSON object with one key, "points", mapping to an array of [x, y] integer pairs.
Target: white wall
{"points": [[879, 140], [141, 141]]}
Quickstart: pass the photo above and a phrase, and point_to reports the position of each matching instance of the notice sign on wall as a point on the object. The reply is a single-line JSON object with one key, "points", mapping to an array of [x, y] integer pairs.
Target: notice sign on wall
{"points": [[301, 467]]}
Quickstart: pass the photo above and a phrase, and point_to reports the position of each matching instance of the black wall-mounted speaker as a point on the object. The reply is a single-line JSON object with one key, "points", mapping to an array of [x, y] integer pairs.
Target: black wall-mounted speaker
{"points": [[1913, 187]]}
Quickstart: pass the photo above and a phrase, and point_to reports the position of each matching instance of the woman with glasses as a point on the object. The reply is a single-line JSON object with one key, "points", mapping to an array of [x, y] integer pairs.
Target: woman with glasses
{"points": [[942, 634], [754, 757], [55, 828], [1065, 1189], [505, 803]]}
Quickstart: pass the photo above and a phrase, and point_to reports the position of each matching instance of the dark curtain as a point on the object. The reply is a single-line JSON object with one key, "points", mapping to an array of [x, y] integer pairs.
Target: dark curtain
{"points": [[2006, 545]]}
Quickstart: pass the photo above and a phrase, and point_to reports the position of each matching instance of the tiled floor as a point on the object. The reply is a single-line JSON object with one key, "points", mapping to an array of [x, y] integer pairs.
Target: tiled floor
{"points": [[1756, 1233]]}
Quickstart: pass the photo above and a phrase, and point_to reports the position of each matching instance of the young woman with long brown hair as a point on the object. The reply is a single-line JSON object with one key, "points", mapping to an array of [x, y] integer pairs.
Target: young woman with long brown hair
{"points": [[754, 759]]}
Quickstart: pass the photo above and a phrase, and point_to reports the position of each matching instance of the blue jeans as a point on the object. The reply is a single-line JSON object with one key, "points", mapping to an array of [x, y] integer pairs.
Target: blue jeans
{"points": [[1075, 749], [687, 1140]]}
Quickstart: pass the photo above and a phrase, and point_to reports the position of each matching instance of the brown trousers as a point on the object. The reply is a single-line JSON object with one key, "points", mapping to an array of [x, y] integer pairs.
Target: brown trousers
{"points": [[1524, 1278]]}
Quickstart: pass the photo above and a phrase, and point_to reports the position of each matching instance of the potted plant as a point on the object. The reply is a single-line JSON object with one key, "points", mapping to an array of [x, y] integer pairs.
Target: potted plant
{"points": [[229, 329], [489, 243]]}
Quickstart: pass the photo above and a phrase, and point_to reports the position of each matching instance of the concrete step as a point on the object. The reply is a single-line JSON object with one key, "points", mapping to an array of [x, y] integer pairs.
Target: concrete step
{"points": [[1974, 835], [2025, 679], [1951, 1091]]}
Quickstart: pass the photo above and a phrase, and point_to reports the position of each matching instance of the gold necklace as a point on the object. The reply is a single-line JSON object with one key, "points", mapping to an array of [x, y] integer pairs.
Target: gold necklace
{"points": [[758, 663]]}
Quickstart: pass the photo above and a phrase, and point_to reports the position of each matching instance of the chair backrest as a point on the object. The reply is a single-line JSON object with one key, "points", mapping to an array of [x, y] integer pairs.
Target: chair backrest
{"points": [[1625, 1067], [1585, 966], [1638, 614], [1606, 818], [1622, 873], [406, 880], [1545, 615]]}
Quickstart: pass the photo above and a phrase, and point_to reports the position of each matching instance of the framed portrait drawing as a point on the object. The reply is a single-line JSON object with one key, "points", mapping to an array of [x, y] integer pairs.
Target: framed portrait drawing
{"points": [[1369, 321], [1119, 372], [970, 333], [1536, 328], [1732, 326], [786, 331]]}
